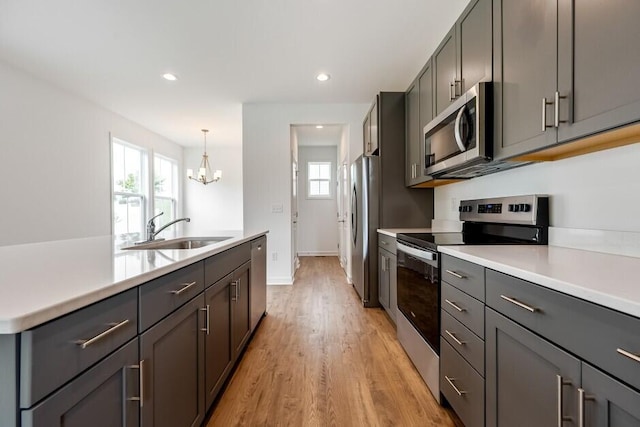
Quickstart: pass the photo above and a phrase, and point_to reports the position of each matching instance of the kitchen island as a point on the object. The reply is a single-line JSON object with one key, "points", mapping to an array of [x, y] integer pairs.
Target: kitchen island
{"points": [[91, 333]]}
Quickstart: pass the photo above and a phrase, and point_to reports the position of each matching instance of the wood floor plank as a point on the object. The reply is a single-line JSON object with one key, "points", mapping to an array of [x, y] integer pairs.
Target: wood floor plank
{"points": [[320, 359]]}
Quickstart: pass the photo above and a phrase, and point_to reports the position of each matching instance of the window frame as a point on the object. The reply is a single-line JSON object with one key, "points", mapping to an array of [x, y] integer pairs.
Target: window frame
{"points": [[175, 194], [329, 180]]}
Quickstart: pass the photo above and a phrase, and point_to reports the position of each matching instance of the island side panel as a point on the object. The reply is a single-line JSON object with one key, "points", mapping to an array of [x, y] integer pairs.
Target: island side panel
{"points": [[9, 380]]}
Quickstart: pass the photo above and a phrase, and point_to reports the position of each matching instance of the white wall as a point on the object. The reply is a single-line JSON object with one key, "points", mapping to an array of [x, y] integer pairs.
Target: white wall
{"points": [[55, 160], [597, 191], [317, 221], [216, 206], [266, 155]]}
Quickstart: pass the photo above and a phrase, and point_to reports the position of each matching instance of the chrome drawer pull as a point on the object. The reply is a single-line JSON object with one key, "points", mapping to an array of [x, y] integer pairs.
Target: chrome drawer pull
{"points": [[454, 274], [456, 389], [453, 337], [184, 288], [631, 356], [561, 382], [582, 398], [114, 326], [454, 305], [519, 304]]}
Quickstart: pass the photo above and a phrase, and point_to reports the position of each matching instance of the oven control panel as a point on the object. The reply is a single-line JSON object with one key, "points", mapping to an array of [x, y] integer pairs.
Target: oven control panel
{"points": [[526, 210]]}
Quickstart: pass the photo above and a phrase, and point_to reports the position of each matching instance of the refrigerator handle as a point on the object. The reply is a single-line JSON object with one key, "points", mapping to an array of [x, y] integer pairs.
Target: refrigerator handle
{"points": [[354, 215]]}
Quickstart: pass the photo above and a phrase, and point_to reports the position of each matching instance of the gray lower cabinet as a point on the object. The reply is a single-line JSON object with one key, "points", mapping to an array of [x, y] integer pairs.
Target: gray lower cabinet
{"points": [[383, 278], [240, 313], [387, 275], [172, 368], [258, 294], [528, 378], [107, 395], [606, 401], [219, 355]]}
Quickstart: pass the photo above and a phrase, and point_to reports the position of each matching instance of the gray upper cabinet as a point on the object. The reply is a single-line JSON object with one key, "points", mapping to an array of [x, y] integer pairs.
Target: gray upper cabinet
{"points": [[172, 368], [474, 44], [519, 396], [412, 138], [562, 71], [370, 130], [445, 77], [525, 75], [599, 47]]}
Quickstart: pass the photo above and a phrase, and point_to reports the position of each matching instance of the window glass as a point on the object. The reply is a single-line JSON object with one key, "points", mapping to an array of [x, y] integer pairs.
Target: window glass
{"points": [[129, 195], [165, 188], [319, 180]]}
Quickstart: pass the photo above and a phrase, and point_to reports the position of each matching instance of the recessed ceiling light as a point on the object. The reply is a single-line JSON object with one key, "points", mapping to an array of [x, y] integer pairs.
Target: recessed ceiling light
{"points": [[170, 77], [319, 127], [323, 77]]}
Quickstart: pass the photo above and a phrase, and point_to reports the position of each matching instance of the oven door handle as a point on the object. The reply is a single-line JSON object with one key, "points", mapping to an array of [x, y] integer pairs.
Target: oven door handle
{"points": [[417, 253]]}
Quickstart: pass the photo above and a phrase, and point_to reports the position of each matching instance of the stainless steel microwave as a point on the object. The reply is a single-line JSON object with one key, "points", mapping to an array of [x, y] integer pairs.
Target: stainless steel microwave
{"points": [[458, 143]]}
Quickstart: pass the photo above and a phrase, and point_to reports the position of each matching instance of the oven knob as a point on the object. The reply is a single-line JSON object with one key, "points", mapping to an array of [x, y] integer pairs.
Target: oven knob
{"points": [[512, 208], [516, 208], [460, 209], [524, 207]]}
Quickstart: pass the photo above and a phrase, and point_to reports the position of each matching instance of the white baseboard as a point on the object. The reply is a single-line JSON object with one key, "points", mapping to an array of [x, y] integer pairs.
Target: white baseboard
{"points": [[280, 280], [321, 253]]}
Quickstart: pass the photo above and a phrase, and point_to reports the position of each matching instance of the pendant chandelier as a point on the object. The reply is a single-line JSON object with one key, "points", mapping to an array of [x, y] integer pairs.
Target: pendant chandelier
{"points": [[205, 176]]}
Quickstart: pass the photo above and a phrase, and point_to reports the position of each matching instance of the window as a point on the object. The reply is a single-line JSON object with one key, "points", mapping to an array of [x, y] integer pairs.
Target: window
{"points": [[165, 189], [319, 180], [129, 189]]}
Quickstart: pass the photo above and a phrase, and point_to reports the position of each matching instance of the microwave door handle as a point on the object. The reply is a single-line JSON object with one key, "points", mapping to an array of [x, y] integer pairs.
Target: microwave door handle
{"points": [[458, 133]]}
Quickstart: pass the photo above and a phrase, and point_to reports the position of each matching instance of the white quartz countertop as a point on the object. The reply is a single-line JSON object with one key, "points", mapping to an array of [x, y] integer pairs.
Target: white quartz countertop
{"points": [[604, 279], [42, 281], [392, 232]]}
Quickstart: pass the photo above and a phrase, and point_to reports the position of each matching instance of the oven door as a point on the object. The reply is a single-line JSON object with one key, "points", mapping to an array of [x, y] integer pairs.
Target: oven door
{"points": [[419, 291]]}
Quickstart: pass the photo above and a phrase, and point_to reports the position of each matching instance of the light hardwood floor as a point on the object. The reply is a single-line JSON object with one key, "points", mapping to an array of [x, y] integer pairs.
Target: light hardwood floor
{"points": [[320, 359]]}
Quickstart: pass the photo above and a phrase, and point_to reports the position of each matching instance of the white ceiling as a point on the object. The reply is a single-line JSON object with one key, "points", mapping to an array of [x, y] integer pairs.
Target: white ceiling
{"points": [[224, 52], [309, 135]]}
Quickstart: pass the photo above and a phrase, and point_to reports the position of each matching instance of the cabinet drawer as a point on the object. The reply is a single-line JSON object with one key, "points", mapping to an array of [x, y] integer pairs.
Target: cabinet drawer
{"points": [[467, 310], [57, 351], [219, 265], [387, 243], [592, 332], [462, 386], [161, 296], [469, 345], [464, 275]]}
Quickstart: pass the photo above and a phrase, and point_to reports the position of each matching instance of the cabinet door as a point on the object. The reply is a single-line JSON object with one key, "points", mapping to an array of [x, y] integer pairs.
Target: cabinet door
{"points": [[522, 376], [444, 72], [240, 323], [218, 353], [104, 396], [258, 296], [373, 120], [598, 47], [393, 286], [412, 138], [525, 67], [608, 403], [475, 47], [172, 360], [383, 278], [366, 135]]}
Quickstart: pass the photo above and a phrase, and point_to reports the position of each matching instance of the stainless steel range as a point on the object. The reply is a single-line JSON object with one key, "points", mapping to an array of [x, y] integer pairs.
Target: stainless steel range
{"points": [[518, 220]]}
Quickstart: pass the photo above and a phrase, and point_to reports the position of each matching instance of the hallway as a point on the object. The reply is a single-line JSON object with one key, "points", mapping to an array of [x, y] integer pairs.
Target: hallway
{"points": [[320, 359]]}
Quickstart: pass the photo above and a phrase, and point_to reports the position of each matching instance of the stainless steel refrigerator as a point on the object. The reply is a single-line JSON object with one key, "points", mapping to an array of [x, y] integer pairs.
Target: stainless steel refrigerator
{"points": [[364, 225]]}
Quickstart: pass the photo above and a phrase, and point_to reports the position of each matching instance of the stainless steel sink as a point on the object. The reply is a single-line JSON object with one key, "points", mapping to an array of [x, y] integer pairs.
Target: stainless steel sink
{"points": [[181, 243]]}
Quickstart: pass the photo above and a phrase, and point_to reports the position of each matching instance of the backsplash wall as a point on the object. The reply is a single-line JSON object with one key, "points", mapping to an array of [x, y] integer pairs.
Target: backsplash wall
{"points": [[597, 191]]}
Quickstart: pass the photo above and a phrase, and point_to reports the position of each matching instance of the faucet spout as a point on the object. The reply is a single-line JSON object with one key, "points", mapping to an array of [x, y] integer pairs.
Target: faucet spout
{"points": [[153, 235]]}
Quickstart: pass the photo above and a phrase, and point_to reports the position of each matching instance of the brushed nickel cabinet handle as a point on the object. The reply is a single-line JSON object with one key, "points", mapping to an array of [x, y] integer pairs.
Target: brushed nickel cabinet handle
{"points": [[206, 310], [519, 304], [628, 354], [114, 327], [561, 382], [183, 288], [582, 398], [451, 89], [454, 274], [544, 114], [454, 305], [556, 116], [141, 379], [125, 398], [453, 337], [238, 289], [456, 389], [384, 263]]}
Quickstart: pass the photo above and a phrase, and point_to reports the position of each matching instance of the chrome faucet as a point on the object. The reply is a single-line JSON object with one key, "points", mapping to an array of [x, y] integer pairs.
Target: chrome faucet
{"points": [[151, 227]]}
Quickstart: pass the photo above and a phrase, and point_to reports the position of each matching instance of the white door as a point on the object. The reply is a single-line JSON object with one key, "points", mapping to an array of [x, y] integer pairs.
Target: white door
{"points": [[343, 200], [294, 212]]}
